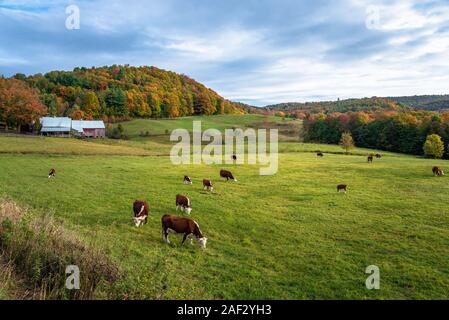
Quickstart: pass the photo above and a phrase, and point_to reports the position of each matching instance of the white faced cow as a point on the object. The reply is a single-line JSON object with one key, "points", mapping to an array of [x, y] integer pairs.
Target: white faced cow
{"points": [[183, 203], [437, 171], [207, 184], [141, 210], [185, 226], [187, 180], [52, 173]]}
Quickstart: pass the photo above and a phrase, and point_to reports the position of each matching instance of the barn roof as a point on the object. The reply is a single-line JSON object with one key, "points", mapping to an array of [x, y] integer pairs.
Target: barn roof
{"points": [[80, 125], [53, 124]]}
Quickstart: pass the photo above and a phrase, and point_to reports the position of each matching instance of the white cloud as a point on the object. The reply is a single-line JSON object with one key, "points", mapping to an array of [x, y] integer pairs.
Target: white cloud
{"points": [[225, 45], [12, 61]]}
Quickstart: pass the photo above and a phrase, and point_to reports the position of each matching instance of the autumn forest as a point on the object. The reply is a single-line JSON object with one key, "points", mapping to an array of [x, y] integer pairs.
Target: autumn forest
{"points": [[113, 94]]}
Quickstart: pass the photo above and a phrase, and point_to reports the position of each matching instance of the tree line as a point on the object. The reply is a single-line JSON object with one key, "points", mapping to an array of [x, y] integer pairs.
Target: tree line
{"points": [[404, 132], [425, 102], [300, 110]]}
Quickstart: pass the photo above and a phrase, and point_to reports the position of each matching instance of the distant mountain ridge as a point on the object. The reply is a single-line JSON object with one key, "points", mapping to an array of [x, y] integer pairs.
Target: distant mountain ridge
{"points": [[406, 103], [425, 102], [349, 105]]}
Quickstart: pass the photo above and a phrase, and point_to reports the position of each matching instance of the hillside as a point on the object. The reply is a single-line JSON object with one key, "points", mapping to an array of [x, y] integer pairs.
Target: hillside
{"points": [[349, 105], [427, 102], [406, 103], [120, 92], [155, 127]]}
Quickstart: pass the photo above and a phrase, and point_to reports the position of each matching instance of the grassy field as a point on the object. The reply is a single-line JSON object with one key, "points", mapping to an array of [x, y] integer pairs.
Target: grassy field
{"points": [[222, 122], [288, 236], [52, 146]]}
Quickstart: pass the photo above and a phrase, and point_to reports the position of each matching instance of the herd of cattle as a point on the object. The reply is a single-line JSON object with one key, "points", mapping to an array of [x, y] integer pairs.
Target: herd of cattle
{"points": [[170, 223], [437, 171], [180, 225], [190, 228]]}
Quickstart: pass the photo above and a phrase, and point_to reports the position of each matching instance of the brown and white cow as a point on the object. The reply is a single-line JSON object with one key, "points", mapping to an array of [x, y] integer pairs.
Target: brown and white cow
{"points": [[207, 184], [183, 203], [370, 158], [52, 173], [227, 175], [141, 210], [437, 171], [187, 180], [342, 187], [180, 225]]}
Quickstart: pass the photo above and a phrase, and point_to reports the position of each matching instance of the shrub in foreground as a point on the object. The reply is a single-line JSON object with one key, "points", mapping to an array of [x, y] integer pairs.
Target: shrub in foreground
{"points": [[39, 249]]}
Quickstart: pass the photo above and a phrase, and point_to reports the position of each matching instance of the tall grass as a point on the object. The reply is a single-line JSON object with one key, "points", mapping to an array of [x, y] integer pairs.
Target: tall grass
{"points": [[38, 250]]}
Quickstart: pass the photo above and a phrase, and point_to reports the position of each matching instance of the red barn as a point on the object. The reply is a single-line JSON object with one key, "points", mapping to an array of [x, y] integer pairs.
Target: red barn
{"points": [[90, 129]]}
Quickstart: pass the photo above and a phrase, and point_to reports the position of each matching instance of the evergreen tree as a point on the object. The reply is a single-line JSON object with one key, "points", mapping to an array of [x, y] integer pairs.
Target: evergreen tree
{"points": [[116, 100]]}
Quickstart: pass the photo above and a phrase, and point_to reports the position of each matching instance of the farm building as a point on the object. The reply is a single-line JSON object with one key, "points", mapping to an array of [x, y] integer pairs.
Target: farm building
{"points": [[91, 129], [56, 126], [66, 127]]}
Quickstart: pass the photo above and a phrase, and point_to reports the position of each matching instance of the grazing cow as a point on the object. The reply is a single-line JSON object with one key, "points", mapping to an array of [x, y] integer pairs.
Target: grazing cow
{"points": [[52, 173], [342, 187], [185, 226], [378, 156], [187, 180], [370, 158], [320, 154], [141, 210], [437, 171], [207, 184], [234, 157], [227, 175], [183, 203]]}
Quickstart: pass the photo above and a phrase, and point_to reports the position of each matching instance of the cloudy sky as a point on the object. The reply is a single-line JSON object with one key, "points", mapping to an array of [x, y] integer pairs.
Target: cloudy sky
{"points": [[254, 51]]}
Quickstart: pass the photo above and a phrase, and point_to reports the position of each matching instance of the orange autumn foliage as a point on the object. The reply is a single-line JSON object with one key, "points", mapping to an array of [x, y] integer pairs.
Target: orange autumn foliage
{"points": [[19, 104]]}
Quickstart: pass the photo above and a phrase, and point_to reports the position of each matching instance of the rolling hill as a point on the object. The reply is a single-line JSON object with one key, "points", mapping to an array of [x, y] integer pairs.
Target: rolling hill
{"points": [[349, 105], [426, 102], [123, 92], [406, 103]]}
